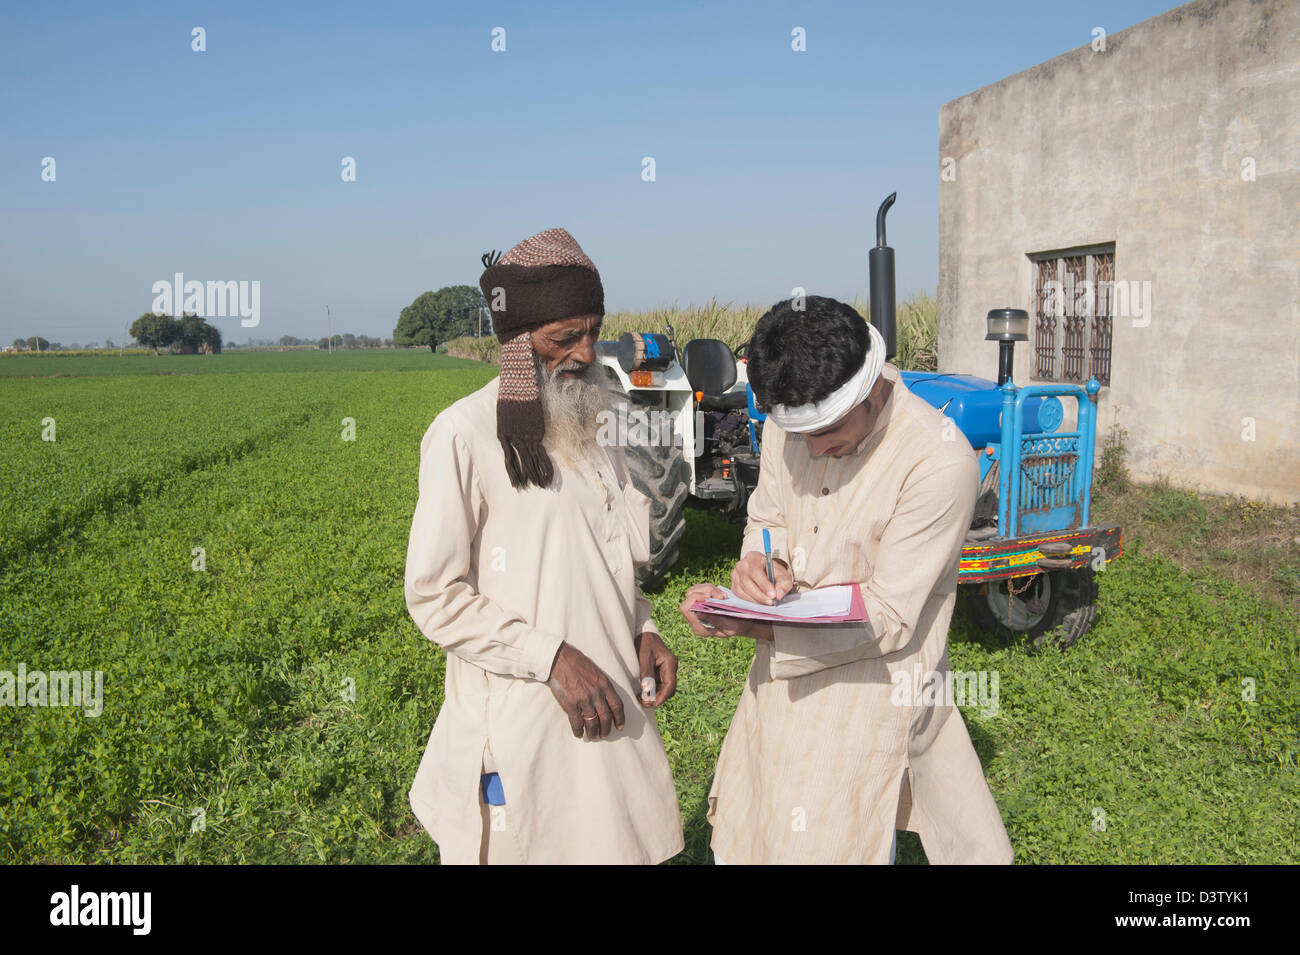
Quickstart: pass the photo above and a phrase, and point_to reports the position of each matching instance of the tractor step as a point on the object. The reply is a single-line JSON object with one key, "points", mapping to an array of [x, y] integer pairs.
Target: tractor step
{"points": [[1054, 563], [715, 489], [1055, 548]]}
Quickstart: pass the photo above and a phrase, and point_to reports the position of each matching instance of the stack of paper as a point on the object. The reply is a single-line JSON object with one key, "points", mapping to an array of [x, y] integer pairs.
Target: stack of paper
{"points": [[840, 604]]}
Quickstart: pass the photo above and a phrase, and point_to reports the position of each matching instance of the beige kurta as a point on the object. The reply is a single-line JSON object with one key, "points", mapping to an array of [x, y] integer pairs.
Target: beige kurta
{"points": [[498, 578], [819, 759]]}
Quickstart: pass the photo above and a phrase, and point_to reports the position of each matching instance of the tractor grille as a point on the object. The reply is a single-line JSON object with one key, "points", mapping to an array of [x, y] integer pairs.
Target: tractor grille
{"points": [[1047, 466]]}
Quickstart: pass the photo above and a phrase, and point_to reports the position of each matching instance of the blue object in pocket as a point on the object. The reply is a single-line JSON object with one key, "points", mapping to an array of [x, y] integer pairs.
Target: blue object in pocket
{"points": [[493, 794]]}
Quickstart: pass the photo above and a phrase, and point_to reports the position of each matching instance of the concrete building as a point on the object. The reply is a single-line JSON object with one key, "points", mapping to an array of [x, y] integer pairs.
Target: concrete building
{"points": [[1139, 197]]}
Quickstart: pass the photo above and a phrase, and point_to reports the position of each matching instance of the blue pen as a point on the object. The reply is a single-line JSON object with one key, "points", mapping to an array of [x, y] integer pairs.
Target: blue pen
{"points": [[767, 552]]}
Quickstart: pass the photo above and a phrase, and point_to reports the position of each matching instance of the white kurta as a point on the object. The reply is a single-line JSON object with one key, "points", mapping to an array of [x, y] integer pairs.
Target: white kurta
{"points": [[819, 759], [498, 578]]}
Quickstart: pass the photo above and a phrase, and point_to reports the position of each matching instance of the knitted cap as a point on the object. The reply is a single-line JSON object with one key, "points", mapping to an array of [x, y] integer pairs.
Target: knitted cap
{"points": [[545, 278]]}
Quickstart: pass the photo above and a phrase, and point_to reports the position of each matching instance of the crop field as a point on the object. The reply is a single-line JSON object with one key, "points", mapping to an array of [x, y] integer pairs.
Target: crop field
{"points": [[136, 362], [917, 328], [224, 537]]}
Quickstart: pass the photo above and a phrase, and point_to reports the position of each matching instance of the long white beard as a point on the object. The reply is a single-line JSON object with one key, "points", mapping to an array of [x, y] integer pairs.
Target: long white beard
{"points": [[572, 407]]}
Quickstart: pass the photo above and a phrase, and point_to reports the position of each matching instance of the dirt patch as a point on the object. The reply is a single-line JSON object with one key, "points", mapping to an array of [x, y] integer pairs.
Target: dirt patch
{"points": [[1253, 543]]}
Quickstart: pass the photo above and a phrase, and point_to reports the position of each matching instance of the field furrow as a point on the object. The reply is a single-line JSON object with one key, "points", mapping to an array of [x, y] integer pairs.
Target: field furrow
{"points": [[80, 447]]}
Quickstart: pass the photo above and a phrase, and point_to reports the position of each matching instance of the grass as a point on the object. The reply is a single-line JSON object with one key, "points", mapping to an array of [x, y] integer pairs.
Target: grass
{"points": [[1176, 720], [1254, 544], [225, 688], [72, 352]]}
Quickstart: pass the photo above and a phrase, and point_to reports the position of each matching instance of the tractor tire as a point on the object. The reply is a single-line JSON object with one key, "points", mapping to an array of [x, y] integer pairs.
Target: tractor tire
{"points": [[1055, 610], [986, 503], [660, 473]]}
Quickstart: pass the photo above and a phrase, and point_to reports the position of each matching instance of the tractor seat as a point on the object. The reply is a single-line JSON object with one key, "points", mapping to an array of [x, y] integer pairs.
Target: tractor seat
{"points": [[711, 369], [731, 401]]}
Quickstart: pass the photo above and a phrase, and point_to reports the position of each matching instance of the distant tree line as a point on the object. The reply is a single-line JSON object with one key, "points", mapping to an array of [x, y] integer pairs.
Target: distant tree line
{"points": [[35, 343], [39, 343], [346, 340], [432, 319]]}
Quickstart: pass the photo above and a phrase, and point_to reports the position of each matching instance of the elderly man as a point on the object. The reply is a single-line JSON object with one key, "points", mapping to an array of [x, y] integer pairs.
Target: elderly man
{"points": [[521, 567], [860, 483]]}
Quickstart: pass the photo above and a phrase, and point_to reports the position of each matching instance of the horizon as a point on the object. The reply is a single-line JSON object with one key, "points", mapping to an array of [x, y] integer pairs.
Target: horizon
{"points": [[231, 164]]}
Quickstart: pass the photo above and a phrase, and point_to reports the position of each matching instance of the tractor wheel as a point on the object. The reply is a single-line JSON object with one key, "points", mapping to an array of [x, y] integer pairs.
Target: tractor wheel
{"points": [[660, 473], [1055, 609]]}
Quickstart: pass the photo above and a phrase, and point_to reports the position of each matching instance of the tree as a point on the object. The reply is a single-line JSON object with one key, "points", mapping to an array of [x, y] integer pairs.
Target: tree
{"points": [[210, 341], [439, 316], [37, 343], [194, 336], [155, 331], [349, 340], [189, 334]]}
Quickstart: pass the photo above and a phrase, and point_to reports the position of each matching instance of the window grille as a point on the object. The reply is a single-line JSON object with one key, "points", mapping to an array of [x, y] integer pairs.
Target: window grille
{"points": [[1074, 303]]}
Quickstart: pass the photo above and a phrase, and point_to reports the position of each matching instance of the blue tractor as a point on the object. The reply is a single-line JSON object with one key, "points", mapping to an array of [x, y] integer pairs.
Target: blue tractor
{"points": [[1028, 568]]}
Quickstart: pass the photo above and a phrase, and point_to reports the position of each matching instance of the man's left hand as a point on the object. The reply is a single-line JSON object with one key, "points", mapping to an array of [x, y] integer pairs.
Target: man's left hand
{"points": [[659, 664], [719, 625]]}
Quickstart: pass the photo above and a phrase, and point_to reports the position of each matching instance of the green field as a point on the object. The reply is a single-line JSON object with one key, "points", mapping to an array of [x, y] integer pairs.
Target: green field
{"points": [[283, 696], [22, 365]]}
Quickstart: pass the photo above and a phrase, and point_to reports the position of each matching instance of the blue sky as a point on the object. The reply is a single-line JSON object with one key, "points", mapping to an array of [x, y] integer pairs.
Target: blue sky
{"points": [[225, 164]]}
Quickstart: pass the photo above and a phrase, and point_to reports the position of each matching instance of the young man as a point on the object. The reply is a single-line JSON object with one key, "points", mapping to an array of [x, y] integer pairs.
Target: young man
{"points": [[521, 567], [860, 483]]}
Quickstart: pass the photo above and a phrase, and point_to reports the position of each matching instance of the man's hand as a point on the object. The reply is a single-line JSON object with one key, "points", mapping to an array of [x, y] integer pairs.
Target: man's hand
{"points": [[749, 579], [585, 694], [718, 625], [657, 663]]}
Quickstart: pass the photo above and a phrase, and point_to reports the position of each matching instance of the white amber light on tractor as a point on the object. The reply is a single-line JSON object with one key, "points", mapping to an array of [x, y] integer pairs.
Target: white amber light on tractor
{"points": [[1008, 324]]}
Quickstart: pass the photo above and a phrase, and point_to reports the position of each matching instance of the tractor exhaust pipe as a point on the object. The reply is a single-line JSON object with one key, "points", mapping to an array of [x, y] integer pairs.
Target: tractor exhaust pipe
{"points": [[880, 262]]}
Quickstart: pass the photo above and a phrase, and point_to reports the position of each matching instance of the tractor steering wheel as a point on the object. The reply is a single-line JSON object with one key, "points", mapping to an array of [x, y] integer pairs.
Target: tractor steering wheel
{"points": [[741, 350]]}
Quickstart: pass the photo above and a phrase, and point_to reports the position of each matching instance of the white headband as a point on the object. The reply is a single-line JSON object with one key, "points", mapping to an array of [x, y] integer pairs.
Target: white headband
{"points": [[821, 414]]}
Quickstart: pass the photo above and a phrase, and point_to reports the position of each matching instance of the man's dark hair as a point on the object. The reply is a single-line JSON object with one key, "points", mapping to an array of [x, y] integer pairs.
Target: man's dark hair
{"points": [[797, 357]]}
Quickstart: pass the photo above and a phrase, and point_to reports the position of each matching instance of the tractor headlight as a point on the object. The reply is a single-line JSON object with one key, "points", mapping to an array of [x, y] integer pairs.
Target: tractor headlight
{"points": [[1008, 325], [644, 350]]}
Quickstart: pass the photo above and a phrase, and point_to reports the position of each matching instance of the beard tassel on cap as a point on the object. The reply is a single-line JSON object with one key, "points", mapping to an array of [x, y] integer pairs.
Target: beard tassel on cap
{"points": [[521, 421]]}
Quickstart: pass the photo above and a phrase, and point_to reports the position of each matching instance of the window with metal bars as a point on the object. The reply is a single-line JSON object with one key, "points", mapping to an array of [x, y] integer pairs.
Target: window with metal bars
{"points": [[1074, 311]]}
